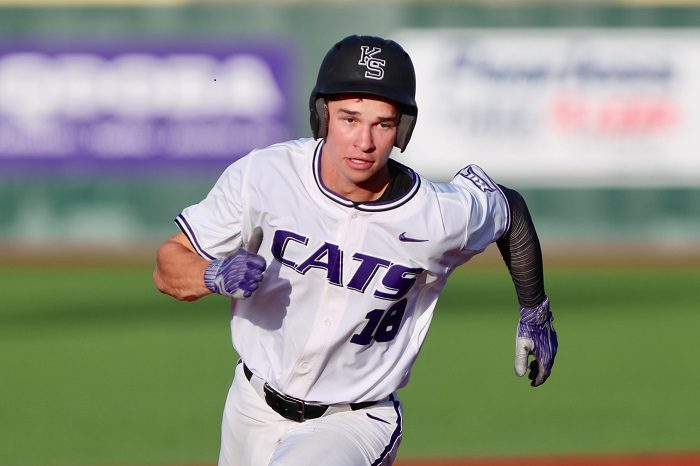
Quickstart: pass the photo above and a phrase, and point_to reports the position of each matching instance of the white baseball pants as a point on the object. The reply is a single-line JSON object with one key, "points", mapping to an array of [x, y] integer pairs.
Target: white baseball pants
{"points": [[252, 434]]}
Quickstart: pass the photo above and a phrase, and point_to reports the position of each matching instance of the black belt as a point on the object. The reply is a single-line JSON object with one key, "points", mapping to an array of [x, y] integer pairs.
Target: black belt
{"points": [[295, 409]]}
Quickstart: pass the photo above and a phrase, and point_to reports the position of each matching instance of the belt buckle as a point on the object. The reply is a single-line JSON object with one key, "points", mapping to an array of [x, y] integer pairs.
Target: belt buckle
{"points": [[286, 406]]}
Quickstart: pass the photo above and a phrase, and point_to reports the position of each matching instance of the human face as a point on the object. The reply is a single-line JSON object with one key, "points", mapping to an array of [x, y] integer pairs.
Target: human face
{"points": [[361, 135]]}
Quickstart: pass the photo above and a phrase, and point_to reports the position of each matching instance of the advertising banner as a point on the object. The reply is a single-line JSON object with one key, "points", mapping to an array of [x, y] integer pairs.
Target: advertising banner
{"points": [[132, 105], [558, 107]]}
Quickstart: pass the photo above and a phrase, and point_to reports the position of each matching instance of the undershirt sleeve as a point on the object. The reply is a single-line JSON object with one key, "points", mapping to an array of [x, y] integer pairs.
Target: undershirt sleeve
{"points": [[521, 252]]}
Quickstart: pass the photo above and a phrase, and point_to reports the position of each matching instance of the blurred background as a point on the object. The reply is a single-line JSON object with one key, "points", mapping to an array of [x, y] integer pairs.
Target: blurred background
{"points": [[115, 115]]}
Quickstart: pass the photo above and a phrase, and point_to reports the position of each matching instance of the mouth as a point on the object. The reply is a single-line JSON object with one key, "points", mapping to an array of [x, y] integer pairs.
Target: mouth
{"points": [[359, 164]]}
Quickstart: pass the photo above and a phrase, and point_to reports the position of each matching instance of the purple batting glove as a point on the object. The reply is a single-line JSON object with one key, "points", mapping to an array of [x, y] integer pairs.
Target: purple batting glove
{"points": [[237, 276], [536, 336]]}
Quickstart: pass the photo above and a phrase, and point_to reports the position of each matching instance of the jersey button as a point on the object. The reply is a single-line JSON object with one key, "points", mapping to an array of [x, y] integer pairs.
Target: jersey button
{"points": [[328, 322], [304, 367]]}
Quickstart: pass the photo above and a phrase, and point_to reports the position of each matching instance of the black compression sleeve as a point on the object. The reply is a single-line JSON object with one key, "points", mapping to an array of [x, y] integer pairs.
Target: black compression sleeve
{"points": [[521, 252]]}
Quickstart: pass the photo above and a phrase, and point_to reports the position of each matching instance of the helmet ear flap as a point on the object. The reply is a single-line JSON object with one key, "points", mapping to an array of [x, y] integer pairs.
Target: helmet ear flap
{"points": [[403, 132], [319, 118]]}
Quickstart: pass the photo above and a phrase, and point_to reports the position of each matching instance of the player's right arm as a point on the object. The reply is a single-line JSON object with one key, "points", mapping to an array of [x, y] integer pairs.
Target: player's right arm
{"points": [[180, 270], [183, 274], [213, 253]]}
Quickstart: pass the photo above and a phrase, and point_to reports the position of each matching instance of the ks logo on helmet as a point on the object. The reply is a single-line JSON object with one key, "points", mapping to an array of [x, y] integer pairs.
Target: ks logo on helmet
{"points": [[374, 65]]}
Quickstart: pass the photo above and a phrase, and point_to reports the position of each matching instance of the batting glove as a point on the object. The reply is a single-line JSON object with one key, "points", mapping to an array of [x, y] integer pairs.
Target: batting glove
{"points": [[536, 336], [237, 276]]}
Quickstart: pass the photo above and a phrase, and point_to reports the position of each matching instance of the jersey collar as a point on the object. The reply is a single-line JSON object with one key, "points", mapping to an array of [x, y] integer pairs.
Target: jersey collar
{"points": [[363, 206]]}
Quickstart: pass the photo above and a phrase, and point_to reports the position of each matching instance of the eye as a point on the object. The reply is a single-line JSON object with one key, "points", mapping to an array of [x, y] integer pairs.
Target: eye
{"points": [[387, 124]]}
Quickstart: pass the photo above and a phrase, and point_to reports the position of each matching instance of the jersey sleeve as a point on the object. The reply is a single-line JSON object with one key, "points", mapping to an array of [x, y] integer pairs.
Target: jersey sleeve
{"points": [[488, 210], [214, 225]]}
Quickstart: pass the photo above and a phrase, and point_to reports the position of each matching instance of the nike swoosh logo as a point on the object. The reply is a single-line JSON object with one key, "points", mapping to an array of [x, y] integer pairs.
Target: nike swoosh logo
{"points": [[406, 239]]}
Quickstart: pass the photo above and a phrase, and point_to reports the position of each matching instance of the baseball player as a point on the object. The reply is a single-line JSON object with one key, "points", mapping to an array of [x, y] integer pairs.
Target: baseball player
{"points": [[334, 256]]}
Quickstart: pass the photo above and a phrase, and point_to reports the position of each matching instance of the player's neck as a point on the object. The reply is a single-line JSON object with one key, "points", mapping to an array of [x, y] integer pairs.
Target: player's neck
{"points": [[367, 190]]}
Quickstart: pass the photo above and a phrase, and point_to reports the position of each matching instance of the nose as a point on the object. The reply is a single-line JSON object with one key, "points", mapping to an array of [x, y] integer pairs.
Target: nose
{"points": [[365, 139]]}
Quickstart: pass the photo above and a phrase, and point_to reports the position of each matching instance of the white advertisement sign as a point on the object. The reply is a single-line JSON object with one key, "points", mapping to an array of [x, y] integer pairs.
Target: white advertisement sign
{"points": [[561, 107]]}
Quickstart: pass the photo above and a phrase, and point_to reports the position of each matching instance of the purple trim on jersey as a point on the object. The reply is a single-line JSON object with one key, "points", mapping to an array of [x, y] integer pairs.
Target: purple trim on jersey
{"points": [[182, 223], [395, 436], [363, 206]]}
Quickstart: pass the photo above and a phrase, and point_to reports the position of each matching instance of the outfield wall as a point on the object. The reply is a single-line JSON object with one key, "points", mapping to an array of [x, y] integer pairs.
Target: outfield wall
{"points": [[114, 118]]}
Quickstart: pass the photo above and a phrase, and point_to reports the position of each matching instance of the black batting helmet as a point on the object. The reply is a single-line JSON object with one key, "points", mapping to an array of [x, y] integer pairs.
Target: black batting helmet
{"points": [[367, 65]]}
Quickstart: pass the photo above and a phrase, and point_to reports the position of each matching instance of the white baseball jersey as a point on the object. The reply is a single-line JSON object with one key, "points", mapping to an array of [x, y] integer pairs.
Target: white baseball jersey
{"points": [[350, 288]]}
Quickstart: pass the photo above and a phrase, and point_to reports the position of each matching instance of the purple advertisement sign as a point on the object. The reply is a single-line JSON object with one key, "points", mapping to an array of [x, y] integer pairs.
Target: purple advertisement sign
{"points": [[131, 105]]}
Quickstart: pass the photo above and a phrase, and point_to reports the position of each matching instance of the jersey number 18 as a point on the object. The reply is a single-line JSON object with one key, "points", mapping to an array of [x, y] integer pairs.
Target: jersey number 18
{"points": [[382, 326]]}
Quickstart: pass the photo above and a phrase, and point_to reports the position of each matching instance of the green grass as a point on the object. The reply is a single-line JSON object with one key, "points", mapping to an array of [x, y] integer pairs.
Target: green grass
{"points": [[624, 378], [98, 368]]}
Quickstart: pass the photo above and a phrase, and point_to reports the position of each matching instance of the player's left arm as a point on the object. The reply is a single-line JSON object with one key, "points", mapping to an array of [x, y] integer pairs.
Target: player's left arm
{"points": [[520, 248]]}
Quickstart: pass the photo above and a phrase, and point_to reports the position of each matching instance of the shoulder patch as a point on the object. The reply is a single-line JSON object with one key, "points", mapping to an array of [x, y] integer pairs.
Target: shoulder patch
{"points": [[481, 181]]}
